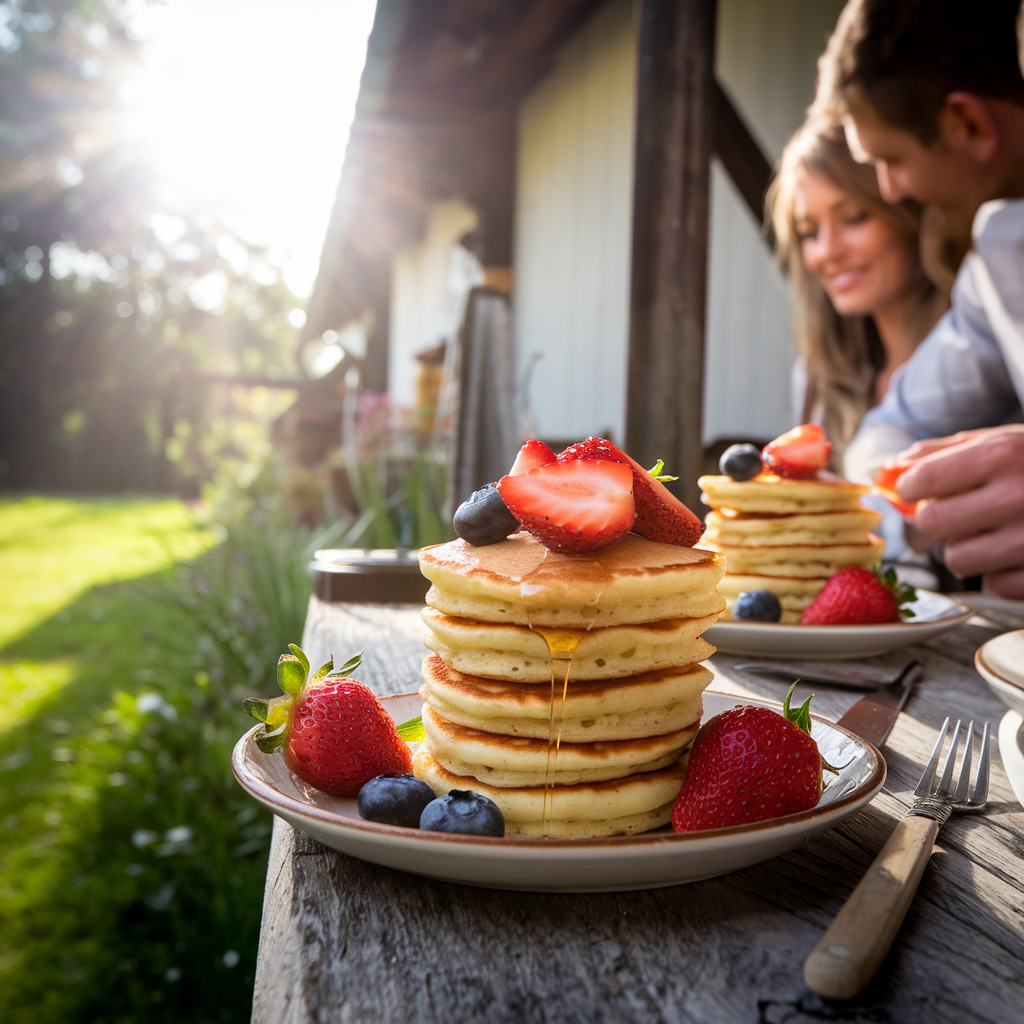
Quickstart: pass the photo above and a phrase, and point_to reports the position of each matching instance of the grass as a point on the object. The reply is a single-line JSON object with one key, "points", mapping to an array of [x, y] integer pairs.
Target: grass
{"points": [[131, 865]]}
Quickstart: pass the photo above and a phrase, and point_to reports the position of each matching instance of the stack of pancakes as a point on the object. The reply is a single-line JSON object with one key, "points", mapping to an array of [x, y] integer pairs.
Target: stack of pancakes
{"points": [[787, 536], [633, 704]]}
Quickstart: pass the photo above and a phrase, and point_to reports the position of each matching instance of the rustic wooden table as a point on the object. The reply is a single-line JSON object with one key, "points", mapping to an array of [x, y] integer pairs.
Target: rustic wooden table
{"points": [[344, 940]]}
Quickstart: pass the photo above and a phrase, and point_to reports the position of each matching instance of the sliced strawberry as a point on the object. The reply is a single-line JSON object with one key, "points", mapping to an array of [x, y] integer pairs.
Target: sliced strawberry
{"points": [[532, 455], [660, 515], [800, 453], [574, 507], [885, 485]]}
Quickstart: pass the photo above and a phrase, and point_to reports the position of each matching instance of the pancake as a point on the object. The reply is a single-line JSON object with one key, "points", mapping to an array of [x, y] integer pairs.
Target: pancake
{"points": [[619, 807], [521, 582], [780, 496], [728, 529], [513, 761], [807, 560], [646, 705], [794, 594], [520, 654]]}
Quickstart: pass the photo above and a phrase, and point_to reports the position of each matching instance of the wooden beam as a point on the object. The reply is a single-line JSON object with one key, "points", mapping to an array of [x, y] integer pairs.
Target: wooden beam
{"points": [[671, 198], [741, 156]]}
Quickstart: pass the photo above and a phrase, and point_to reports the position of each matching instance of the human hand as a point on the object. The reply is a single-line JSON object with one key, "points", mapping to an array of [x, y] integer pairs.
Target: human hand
{"points": [[971, 492]]}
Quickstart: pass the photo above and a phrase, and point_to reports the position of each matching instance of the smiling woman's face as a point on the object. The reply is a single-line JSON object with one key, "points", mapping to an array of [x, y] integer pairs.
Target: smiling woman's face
{"points": [[863, 262]]}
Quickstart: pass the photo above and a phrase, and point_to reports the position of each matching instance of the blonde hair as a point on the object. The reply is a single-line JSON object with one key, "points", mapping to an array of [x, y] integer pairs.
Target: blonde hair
{"points": [[842, 354]]}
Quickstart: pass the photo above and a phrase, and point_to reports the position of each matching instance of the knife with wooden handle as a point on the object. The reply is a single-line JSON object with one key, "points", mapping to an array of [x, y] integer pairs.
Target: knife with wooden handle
{"points": [[873, 716]]}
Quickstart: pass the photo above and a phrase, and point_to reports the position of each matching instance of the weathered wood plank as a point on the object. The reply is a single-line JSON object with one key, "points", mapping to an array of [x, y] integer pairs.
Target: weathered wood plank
{"points": [[349, 941]]}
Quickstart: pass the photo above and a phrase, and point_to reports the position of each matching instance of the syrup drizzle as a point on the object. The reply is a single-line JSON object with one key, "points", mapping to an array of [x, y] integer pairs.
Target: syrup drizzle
{"points": [[562, 644]]}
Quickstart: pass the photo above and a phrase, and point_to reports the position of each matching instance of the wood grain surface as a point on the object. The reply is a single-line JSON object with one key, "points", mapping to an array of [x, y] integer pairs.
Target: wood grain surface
{"points": [[345, 940]]}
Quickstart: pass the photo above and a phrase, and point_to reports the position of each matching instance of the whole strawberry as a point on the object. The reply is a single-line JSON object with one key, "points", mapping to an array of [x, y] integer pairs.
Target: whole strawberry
{"points": [[859, 597], [747, 764], [334, 731]]}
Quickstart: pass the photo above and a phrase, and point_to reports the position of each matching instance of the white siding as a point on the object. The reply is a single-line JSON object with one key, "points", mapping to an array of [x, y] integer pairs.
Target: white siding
{"points": [[574, 208], [766, 61]]}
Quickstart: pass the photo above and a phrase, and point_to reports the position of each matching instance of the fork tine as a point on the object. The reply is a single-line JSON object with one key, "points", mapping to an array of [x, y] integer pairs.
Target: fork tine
{"points": [[979, 795], [924, 787], [963, 782], [947, 770]]}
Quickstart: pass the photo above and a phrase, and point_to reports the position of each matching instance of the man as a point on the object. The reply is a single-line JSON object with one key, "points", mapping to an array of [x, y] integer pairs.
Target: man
{"points": [[932, 93]]}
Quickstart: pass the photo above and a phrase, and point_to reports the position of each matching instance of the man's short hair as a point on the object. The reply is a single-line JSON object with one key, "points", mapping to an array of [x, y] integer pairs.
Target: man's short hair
{"points": [[906, 56]]}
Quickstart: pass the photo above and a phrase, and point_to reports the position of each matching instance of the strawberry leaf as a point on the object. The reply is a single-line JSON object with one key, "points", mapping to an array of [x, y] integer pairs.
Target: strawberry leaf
{"points": [[291, 674], [801, 716], [298, 652], [322, 671], [257, 708], [350, 666], [903, 592], [271, 740], [412, 731], [657, 472]]}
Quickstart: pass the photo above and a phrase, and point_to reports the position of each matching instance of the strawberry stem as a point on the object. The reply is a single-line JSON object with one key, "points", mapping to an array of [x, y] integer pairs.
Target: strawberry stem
{"points": [[801, 716], [657, 472]]}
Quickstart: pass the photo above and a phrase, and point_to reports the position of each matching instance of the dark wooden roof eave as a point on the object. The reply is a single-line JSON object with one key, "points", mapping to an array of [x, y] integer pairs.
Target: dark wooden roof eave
{"points": [[435, 118]]}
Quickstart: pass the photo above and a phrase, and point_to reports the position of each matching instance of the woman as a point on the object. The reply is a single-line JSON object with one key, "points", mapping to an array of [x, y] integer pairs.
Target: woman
{"points": [[861, 299]]}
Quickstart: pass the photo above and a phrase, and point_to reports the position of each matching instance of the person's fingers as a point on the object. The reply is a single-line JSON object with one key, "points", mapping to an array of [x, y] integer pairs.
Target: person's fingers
{"points": [[1008, 583], [920, 541], [962, 467], [995, 551], [998, 503], [934, 444]]}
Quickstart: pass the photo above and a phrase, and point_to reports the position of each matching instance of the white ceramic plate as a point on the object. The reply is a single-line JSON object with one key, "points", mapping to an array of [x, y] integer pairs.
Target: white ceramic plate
{"points": [[613, 864], [932, 614], [1001, 663], [1000, 610]]}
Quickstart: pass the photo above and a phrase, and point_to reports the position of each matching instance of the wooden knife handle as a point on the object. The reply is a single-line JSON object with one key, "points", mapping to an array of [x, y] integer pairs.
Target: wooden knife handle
{"points": [[854, 946]]}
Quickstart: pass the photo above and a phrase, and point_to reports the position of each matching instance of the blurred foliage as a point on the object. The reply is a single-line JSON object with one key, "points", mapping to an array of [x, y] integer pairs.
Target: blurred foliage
{"points": [[392, 475], [131, 864], [119, 304]]}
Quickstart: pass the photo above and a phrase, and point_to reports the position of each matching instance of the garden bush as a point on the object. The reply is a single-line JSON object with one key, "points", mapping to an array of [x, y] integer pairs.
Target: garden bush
{"points": [[132, 864]]}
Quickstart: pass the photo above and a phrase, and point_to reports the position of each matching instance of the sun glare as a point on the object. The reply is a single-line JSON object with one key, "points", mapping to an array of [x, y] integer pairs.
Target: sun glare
{"points": [[248, 103]]}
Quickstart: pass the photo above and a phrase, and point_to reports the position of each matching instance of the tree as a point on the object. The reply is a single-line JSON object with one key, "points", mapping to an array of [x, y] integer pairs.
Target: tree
{"points": [[118, 309]]}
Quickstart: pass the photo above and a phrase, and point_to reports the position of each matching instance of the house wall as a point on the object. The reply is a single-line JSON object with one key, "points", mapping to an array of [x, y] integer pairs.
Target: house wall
{"points": [[574, 209], [573, 212]]}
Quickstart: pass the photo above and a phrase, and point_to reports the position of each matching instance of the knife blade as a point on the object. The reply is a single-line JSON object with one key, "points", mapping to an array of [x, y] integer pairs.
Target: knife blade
{"points": [[873, 716]]}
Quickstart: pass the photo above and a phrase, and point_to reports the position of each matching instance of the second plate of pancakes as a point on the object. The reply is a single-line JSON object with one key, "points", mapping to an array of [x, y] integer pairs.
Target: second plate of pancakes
{"points": [[613, 863], [931, 614]]}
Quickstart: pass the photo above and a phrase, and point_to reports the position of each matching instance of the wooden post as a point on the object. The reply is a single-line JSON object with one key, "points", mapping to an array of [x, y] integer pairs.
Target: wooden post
{"points": [[671, 199]]}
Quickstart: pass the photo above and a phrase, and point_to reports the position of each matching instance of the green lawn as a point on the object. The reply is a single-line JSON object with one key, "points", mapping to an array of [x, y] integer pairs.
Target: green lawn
{"points": [[131, 865]]}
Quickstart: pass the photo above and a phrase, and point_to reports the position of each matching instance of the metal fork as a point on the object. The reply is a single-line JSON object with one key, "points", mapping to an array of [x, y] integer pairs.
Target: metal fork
{"points": [[852, 949]]}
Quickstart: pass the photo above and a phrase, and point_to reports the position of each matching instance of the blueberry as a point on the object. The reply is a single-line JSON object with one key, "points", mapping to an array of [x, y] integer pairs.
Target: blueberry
{"points": [[741, 461], [463, 811], [483, 518], [394, 800], [757, 605]]}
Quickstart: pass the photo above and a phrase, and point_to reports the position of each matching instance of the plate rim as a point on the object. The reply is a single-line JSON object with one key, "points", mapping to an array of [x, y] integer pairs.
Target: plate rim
{"points": [[272, 797], [987, 671]]}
